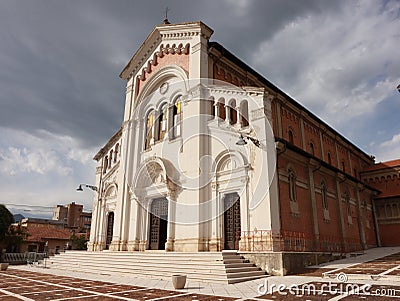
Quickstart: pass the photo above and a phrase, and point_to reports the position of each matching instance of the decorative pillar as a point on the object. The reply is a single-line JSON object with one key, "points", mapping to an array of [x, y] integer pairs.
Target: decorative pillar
{"points": [[216, 110], [169, 246], [215, 240], [312, 167], [303, 136], [339, 196], [360, 217], [227, 114], [238, 119]]}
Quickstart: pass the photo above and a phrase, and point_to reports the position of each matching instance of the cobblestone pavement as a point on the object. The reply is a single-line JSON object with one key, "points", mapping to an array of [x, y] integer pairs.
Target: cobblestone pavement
{"points": [[373, 278]]}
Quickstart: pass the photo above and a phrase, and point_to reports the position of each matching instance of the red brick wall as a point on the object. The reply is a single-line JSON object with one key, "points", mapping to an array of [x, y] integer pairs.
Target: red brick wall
{"points": [[311, 135], [290, 121], [390, 234], [331, 227]]}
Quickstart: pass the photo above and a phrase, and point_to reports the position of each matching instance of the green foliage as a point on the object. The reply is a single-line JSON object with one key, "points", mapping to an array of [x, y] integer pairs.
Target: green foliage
{"points": [[6, 219], [14, 238], [78, 242]]}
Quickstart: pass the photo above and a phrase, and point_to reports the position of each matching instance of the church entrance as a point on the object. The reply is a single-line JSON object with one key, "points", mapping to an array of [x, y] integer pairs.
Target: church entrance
{"points": [[158, 224], [231, 221], [110, 227]]}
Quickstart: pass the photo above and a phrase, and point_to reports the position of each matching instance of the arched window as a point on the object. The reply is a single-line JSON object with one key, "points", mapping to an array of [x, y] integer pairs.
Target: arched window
{"points": [[149, 129], [177, 112], [290, 134], [111, 158], [162, 122], [232, 112], [312, 151], [343, 166], [211, 109], [105, 165], [221, 109], [292, 185], [324, 195], [329, 158], [116, 152], [347, 200], [244, 113]]}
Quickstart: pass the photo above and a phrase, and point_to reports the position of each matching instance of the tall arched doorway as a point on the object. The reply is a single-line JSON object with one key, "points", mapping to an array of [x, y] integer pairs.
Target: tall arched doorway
{"points": [[232, 226], [158, 224], [110, 227]]}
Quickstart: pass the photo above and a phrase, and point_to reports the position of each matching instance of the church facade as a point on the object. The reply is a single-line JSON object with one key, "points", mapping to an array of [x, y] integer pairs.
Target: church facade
{"points": [[212, 156]]}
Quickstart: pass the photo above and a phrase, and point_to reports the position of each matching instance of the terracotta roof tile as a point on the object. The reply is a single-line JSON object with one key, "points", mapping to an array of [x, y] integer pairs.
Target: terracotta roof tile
{"points": [[45, 233], [383, 165]]}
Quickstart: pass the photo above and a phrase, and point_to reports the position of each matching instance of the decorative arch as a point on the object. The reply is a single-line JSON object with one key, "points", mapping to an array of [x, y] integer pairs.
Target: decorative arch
{"points": [[324, 194], [111, 191], [221, 108], [347, 201], [151, 172], [229, 157], [155, 81], [232, 112], [149, 128], [177, 115], [162, 126], [290, 132], [155, 171], [292, 176], [244, 113]]}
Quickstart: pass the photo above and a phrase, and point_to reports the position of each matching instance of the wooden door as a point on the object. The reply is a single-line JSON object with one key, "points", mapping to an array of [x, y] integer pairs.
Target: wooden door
{"points": [[232, 226], [158, 224], [110, 227]]}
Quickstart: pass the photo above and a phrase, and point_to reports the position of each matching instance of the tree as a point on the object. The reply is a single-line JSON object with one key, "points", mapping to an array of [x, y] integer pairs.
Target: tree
{"points": [[78, 242], [6, 219]]}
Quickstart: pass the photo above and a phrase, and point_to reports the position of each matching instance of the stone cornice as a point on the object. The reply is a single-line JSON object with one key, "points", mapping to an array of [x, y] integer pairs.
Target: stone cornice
{"points": [[108, 145]]}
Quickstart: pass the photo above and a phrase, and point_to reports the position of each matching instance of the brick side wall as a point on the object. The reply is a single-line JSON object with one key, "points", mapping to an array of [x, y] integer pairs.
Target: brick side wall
{"points": [[181, 60]]}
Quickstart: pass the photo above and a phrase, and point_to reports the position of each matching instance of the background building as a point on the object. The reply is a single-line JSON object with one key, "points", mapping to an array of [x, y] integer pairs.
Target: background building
{"points": [[385, 177], [73, 217]]}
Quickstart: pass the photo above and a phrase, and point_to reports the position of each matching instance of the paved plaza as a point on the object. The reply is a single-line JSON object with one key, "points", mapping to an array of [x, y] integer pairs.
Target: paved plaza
{"points": [[372, 276]]}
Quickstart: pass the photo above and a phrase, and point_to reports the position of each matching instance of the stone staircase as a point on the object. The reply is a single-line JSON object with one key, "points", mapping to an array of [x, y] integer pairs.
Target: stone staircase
{"points": [[222, 267]]}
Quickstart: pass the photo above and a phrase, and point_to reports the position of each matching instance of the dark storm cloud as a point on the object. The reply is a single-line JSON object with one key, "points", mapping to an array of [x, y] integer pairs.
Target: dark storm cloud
{"points": [[60, 60]]}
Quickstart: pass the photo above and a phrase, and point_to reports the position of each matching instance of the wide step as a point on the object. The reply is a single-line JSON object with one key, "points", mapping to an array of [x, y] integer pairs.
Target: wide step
{"points": [[225, 267]]}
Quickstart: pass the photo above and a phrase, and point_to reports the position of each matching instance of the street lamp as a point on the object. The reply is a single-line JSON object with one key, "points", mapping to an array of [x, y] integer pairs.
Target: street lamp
{"points": [[241, 140], [94, 188]]}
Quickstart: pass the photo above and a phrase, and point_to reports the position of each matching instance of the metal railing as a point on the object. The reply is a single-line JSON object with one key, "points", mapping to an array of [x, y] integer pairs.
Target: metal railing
{"points": [[23, 258], [293, 241]]}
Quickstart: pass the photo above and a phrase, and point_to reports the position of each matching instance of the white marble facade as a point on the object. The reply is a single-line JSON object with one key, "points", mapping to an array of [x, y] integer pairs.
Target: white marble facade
{"points": [[168, 175]]}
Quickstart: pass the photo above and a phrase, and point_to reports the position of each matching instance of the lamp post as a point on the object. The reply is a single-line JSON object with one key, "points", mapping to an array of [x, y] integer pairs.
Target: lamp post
{"points": [[94, 188], [241, 140]]}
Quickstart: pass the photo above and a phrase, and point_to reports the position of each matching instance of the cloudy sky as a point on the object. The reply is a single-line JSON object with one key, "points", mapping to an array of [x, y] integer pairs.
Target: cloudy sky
{"points": [[61, 97]]}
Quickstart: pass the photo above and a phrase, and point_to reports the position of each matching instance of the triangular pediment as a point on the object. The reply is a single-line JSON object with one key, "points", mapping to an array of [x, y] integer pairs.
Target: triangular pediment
{"points": [[168, 33]]}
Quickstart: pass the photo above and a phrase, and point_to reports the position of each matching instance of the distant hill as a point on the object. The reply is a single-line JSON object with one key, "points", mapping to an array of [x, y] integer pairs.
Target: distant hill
{"points": [[18, 217]]}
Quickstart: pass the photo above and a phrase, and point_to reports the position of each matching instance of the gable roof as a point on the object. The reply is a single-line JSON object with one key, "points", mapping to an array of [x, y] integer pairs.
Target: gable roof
{"points": [[384, 165], [45, 233], [154, 39]]}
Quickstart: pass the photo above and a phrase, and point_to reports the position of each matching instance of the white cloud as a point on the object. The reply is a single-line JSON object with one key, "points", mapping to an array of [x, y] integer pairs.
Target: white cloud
{"points": [[340, 65], [41, 154], [44, 169], [16, 160], [389, 150]]}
